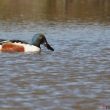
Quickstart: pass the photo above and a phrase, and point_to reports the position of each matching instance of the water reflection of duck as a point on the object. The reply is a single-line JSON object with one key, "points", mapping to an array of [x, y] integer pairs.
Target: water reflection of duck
{"points": [[22, 46]]}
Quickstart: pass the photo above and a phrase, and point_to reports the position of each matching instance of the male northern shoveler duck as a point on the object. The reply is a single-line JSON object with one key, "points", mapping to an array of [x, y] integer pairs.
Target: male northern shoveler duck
{"points": [[22, 46]]}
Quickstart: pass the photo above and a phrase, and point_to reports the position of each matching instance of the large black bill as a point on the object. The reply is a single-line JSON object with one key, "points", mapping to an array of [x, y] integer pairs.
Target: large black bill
{"points": [[49, 47]]}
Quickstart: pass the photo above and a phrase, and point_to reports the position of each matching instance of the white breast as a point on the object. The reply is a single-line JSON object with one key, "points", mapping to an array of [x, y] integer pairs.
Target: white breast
{"points": [[0, 47], [29, 48]]}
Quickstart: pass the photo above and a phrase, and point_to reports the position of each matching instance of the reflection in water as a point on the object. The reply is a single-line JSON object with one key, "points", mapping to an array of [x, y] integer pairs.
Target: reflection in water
{"points": [[81, 10], [76, 76]]}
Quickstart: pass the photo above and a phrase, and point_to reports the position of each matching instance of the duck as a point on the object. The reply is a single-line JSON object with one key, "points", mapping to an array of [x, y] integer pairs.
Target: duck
{"points": [[23, 46]]}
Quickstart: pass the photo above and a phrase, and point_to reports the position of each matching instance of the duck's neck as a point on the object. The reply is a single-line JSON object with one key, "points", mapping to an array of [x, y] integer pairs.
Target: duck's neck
{"points": [[37, 43]]}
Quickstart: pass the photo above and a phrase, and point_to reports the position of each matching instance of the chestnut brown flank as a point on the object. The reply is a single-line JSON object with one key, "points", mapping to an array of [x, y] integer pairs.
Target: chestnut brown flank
{"points": [[10, 47]]}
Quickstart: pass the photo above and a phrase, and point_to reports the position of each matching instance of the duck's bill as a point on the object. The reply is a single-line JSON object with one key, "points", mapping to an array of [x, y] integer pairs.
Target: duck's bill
{"points": [[49, 47]]}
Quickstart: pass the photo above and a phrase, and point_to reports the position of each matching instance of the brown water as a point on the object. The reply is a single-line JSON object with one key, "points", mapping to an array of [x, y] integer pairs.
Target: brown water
{"points": [[76, 76]]}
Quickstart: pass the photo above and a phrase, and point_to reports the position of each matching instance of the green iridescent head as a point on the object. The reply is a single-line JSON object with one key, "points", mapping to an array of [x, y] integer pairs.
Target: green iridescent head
{"points": [[39, 39]]}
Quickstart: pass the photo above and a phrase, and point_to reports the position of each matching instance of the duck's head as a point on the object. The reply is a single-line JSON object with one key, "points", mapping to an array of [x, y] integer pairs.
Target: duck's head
{"points": [[40, 39]]}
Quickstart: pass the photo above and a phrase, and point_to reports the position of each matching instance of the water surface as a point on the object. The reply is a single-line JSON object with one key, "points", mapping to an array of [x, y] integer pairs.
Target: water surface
{"points": [[76, 76]]}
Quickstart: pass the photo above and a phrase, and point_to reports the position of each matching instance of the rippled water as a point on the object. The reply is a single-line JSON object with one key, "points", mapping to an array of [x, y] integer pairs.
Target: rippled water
{"points": [[76, 76]]}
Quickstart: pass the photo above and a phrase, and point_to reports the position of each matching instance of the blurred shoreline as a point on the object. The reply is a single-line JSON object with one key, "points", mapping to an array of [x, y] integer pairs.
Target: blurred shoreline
{"points": [[55, 10]]}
